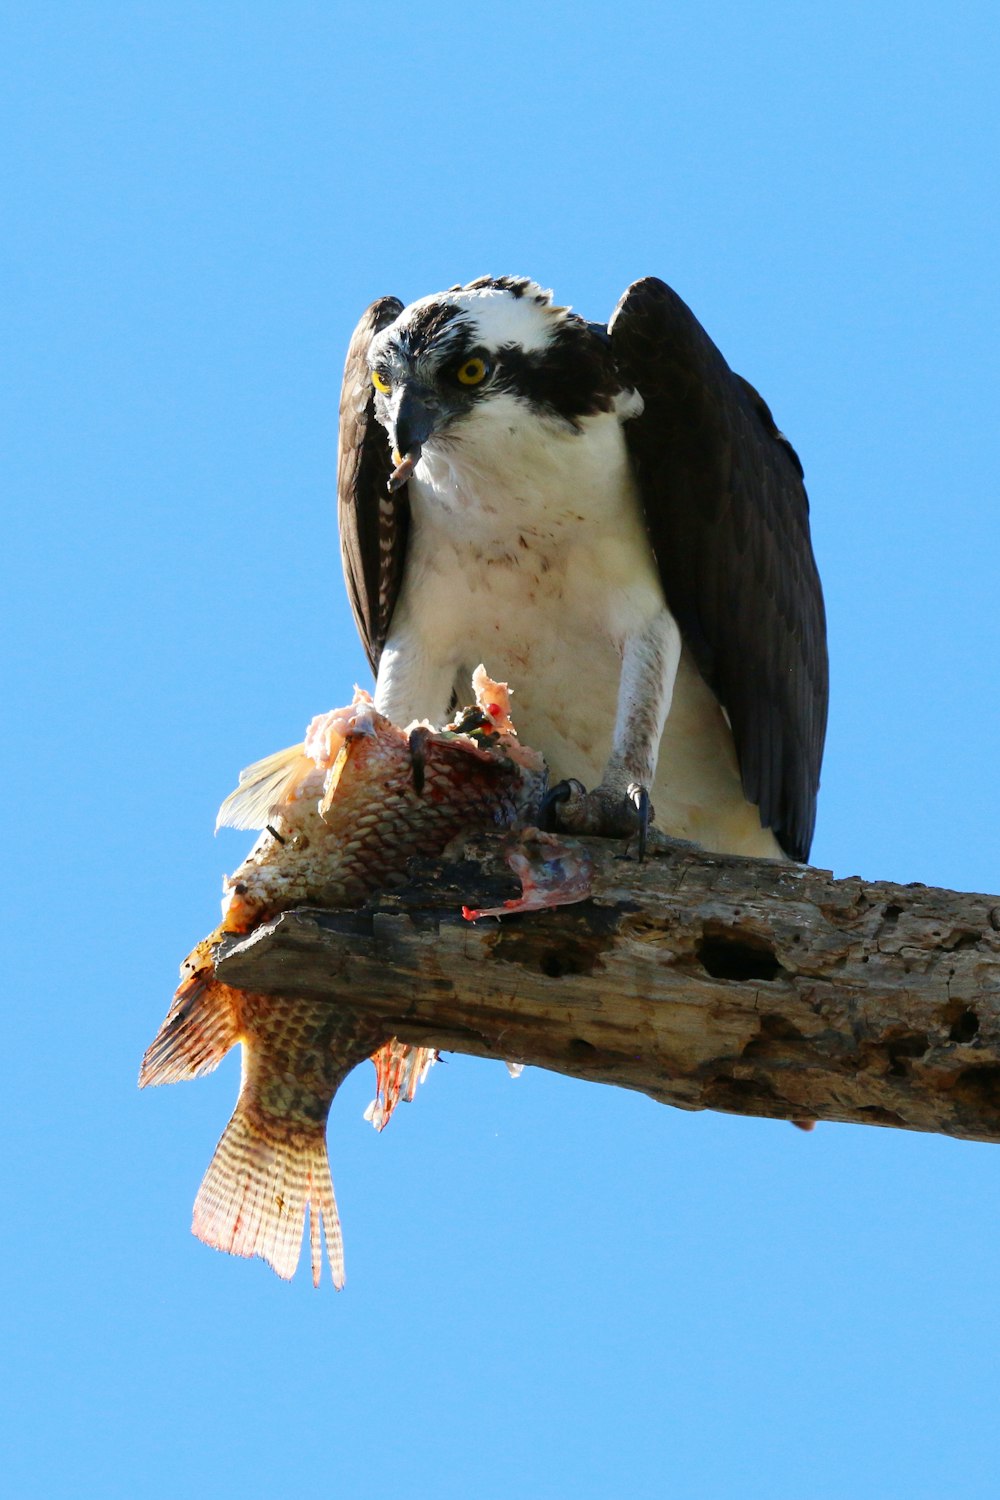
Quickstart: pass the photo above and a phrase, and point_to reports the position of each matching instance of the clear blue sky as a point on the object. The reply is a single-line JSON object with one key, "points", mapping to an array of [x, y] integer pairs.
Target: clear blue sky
{"points": [[553, 1289]]}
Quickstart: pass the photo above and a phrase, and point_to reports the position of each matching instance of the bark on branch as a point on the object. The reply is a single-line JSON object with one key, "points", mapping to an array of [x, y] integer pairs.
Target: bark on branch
{"points": [[705, 981]]}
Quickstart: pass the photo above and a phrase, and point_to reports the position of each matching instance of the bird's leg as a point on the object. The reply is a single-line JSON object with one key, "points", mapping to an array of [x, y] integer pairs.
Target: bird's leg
{"points": [[619, 806], [413, 683]]}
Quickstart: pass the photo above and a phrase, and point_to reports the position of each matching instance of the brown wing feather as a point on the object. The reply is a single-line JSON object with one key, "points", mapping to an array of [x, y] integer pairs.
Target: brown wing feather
{"points": [[728, 519], [373, 524]]}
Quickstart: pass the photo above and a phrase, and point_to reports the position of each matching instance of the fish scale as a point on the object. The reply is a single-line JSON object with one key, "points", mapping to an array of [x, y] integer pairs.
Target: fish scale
{"points": [[343, 814]]}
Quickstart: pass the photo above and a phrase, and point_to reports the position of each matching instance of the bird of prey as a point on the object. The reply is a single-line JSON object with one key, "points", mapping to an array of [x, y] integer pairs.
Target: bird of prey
{"points": [[610, 519]]}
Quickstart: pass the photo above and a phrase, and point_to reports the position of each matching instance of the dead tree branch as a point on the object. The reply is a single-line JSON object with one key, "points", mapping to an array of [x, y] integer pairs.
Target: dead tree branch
{"points": [[707, 982]]}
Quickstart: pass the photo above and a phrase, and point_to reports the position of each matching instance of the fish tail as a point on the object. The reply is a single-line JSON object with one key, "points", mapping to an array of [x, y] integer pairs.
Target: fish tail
{"points": [[200, 1028], [268, 1168]]}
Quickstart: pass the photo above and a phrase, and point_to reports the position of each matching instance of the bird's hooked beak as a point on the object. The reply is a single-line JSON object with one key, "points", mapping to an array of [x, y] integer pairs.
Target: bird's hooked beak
{"points": [[414, 421]]}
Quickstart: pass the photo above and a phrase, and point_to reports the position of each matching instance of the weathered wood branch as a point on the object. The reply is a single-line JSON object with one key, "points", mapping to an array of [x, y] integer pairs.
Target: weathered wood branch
{"points": [[707, 982]]}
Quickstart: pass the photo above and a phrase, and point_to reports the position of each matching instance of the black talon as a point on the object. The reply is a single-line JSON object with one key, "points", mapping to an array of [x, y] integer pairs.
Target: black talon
{"points": [[561, 792], [418, 760], [472, 720], [639, 797]]}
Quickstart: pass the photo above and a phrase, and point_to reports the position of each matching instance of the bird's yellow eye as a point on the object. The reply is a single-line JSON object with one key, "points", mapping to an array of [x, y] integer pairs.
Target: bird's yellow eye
{"points": [[380, 383], [472, 372]]}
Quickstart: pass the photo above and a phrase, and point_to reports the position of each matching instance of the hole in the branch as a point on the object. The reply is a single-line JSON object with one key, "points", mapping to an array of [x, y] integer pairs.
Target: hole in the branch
{"points": [[964, 1027], [725, 954]]}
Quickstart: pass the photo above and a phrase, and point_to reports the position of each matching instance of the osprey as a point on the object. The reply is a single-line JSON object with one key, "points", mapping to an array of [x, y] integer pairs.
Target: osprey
{"points": [[608, 517]]}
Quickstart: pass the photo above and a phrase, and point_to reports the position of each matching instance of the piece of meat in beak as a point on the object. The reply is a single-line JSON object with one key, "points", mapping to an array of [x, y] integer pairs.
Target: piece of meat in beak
{"points": [[414, 421]]}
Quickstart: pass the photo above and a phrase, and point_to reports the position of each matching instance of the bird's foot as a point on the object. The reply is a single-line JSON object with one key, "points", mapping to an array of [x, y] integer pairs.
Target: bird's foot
{"points": [[606, 812]]}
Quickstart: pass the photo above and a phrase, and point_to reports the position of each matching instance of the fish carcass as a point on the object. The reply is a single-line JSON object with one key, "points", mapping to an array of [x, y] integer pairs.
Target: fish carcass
{"points": [[342, 815]]}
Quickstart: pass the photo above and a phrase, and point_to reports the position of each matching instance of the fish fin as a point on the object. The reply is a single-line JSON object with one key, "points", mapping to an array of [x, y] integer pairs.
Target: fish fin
{"points": [[399, 1068], [200, 1028], [254, 1197], [333, 777], [263, 787]]}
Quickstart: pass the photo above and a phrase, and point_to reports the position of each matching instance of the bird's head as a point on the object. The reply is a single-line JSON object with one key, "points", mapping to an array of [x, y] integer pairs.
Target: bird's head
{"points": [[454, 355]]}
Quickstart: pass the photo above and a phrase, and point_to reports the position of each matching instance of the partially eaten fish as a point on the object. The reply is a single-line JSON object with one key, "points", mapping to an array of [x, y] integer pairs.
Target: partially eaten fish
{"points": [[342, 815]]}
